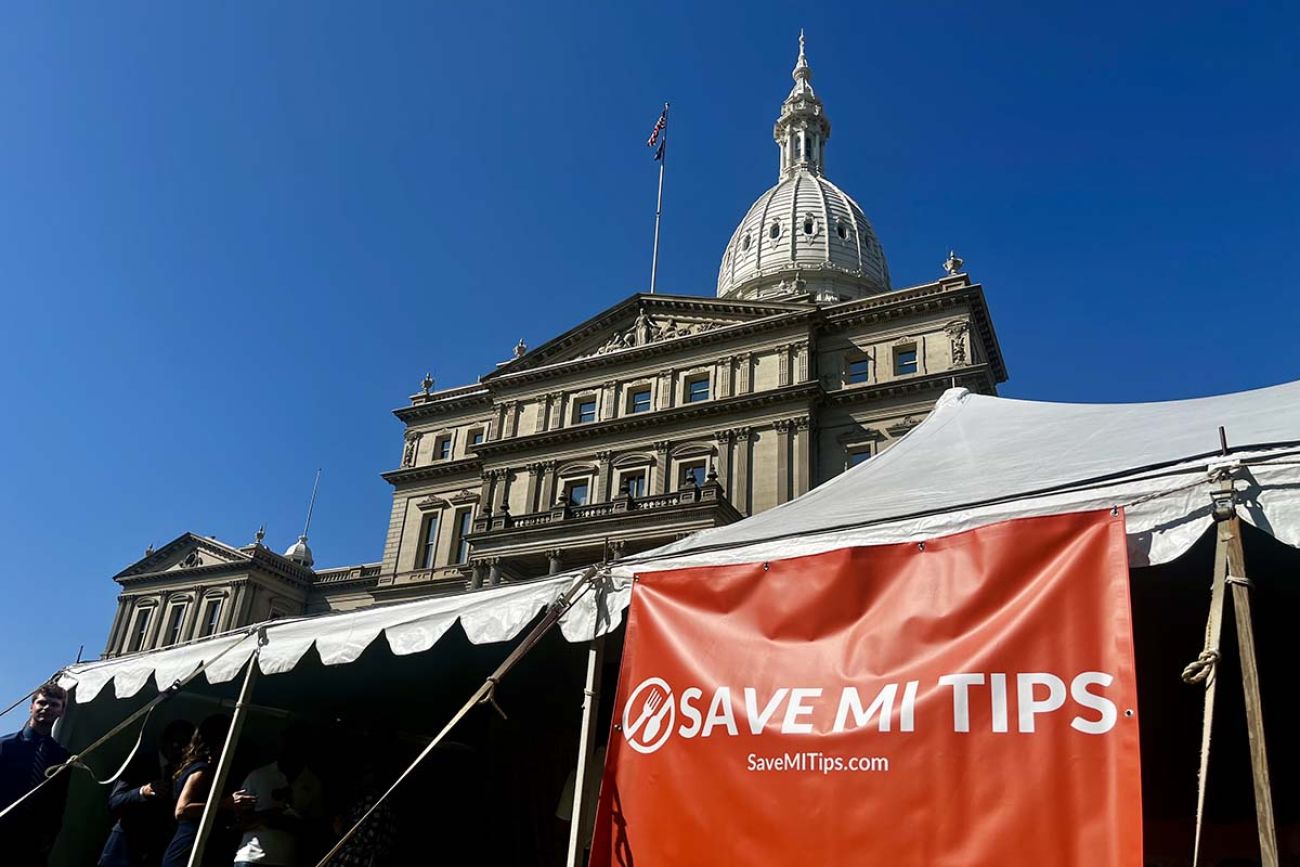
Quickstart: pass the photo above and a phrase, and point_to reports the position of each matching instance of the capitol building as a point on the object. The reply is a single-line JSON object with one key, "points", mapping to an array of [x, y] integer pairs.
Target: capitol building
{"points": [[658, 417]]}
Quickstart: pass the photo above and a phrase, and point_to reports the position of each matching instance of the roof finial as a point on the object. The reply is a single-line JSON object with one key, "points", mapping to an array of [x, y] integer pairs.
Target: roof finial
{"points": [[954, 263], [427, 383], [259, 535]]}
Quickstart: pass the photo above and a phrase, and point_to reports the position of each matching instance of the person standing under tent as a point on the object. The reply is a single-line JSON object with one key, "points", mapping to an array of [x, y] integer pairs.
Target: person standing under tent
{"points": [[27, 833], [192, 788], [142, 805], [289, 801]]}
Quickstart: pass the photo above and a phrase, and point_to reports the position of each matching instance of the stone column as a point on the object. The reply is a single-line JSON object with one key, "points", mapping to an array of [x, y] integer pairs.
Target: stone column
{"points": [[724, 439], [659, 484], [602, 477], [783, 428], [548, 485], [741, 484], [553, 561], [783, 365], [802, 455], [744, 373], [494, 571], [477, 572]]}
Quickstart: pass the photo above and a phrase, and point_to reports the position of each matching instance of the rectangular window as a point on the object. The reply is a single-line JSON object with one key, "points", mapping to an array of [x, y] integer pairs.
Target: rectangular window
{"points": [[429, 541], [905, 361], [697, 389], [639, 400], [634, 483], [442, 447], [211, 618], [693, 474], [858, 455], [585, 411], [140, 630], [857, 370], [175, 623], [460, 541], [577, 491], [476, 437]]}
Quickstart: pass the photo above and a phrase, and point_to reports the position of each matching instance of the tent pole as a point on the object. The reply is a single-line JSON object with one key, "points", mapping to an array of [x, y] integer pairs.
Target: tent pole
{"points": [[1205, 670], [210, 808], [586, 749], [1236, 578]]}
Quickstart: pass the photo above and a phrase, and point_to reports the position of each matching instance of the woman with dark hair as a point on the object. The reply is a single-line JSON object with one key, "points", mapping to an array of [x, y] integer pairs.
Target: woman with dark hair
{"points": [[192, 788]]}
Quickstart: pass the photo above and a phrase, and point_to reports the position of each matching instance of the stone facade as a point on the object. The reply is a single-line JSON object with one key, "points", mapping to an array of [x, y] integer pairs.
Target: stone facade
{"points": [[659, 417]]}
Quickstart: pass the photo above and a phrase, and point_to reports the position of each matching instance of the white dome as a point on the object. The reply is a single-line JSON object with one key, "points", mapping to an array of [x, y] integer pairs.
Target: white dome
{"points": [[299, 553], [804, 235]]}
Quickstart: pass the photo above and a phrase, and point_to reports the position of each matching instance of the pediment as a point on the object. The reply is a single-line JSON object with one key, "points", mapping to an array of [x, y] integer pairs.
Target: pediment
{"points": [[186, 552], [643, 320]]}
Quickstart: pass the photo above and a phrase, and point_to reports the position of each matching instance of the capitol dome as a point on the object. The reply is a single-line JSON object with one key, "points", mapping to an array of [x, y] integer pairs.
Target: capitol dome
{"points": [[804, 235]]}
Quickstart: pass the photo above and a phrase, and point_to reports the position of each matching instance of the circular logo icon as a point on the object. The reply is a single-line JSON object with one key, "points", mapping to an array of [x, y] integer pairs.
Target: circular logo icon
{"points": [[649, 715]]}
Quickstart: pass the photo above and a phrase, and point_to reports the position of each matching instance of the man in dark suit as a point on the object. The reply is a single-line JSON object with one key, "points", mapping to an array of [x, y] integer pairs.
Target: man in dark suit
{"points": [[27, 832]]}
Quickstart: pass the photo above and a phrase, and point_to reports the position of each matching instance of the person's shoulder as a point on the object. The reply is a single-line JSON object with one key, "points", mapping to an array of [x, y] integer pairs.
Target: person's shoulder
{"points": [[265, 774]]}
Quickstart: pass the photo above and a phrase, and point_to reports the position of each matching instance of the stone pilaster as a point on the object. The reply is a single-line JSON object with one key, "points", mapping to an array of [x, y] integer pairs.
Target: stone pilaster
{"points": [[534, 487], [548, 485], [608, 400], [510, 410], [602, 476], [783, 428], [724, 439], [783, 365], [742, 478], [659, 484], [500, 489], [802, 455], [486, 489], [115, 631], [801, 356], [665, 395], [744, 373], [722, 376], [192, 616]]}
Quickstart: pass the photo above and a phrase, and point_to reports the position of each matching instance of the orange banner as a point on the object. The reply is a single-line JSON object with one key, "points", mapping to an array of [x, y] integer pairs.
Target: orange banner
{"points": [[966, 702]]}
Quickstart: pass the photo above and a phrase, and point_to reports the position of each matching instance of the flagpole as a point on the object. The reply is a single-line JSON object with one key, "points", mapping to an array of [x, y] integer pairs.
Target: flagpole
{"points": [[659, 205]]}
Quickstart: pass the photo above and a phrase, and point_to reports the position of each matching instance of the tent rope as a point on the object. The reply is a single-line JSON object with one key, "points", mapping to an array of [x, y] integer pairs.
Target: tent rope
{"points": [[77, 759], [554, 612], [1200, 668]]}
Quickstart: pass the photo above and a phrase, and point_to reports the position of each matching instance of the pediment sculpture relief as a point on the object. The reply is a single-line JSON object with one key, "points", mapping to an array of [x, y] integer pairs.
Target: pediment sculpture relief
{"points": [[647, 329]]}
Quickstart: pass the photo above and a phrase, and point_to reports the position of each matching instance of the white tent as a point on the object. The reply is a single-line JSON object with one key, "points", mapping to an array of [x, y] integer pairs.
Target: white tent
{"points": [[975, 460]]}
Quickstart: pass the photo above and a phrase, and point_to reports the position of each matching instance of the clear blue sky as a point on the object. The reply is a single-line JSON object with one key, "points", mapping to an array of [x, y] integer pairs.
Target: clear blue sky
{"points": [[234, 236]]}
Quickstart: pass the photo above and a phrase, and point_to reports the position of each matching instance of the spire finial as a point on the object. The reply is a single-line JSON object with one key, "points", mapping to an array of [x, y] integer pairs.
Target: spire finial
{"points": [[801, 72]]}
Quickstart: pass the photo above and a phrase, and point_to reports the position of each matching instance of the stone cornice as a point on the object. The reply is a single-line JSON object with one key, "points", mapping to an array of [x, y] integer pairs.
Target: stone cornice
{"points": [[651, 420], [440, 403], [437, 469]]}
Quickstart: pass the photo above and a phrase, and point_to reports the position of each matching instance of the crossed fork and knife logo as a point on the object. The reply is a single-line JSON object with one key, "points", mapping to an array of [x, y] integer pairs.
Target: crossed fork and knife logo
{"points": [[653, 723]]}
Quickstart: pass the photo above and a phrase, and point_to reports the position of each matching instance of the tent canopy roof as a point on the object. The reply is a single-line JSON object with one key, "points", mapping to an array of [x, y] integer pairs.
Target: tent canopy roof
{"points": [[975, 460]]}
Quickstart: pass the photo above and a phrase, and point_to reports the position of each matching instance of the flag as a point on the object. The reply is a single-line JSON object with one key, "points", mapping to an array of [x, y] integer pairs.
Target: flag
{"points": [[657, 136]]}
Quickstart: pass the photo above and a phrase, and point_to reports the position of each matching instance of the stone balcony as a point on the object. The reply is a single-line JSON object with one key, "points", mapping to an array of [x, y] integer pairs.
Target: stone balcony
{"points": [[538, 543]]}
